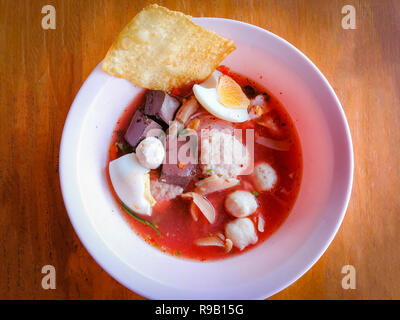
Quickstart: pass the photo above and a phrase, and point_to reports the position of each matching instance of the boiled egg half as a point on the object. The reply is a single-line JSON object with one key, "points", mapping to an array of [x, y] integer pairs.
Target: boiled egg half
{"points": [[131, 182], [223, 97]]}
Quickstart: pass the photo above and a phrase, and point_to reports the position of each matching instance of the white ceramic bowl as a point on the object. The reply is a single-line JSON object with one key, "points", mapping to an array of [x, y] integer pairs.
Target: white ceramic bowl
{"points": [[264, 270]]}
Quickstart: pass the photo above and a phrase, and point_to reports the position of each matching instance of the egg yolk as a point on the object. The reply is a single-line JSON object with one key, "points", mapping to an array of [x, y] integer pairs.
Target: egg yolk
{"points": [[230, 93]]}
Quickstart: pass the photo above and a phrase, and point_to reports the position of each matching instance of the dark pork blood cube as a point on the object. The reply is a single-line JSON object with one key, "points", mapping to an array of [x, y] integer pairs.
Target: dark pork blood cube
{"points": [[139, 128], [161, 106], [173, 171]]}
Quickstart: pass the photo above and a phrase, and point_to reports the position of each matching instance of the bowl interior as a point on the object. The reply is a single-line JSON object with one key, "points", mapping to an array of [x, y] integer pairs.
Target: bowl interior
{"points": [[264, 270]]}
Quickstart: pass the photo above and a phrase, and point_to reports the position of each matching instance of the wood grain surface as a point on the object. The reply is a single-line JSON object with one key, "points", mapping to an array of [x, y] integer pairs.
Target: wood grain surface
{"points": [[42, 70]]}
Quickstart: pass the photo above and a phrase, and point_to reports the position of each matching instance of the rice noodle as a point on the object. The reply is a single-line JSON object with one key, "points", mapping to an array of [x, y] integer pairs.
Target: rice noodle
{"points": [[261, 223], [203, 204], [210, 241], [215, 183], [280, 145], [193, 211]]}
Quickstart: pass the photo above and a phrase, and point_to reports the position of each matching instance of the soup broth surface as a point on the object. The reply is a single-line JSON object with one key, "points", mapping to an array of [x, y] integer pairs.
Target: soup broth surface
{"points": [[173, 219]]}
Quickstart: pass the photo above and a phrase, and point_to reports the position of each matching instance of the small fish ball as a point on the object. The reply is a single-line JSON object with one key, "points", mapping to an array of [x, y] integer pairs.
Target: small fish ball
{"points": [[241, 232], [265, 177], [241, 203], [150, 153]]}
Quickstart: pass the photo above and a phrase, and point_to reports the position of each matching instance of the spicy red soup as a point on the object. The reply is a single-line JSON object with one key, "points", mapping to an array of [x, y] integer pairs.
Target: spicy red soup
{"points": [[179, 231]]}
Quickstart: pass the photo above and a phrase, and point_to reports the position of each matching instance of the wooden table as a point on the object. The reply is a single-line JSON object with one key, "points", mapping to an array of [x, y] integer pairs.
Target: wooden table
{"points": [[42, 70]]}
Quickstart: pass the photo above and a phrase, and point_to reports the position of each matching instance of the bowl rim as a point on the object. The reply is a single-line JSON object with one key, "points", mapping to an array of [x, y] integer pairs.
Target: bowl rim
{"points": [[92, 241]]}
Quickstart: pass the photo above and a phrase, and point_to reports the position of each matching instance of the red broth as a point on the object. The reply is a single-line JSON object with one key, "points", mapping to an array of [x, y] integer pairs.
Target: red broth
{"points": [[173, 218]]}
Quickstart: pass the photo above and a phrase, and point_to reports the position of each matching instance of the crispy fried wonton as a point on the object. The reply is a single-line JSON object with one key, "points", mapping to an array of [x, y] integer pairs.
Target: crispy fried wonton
{"points": [[162, 49]]}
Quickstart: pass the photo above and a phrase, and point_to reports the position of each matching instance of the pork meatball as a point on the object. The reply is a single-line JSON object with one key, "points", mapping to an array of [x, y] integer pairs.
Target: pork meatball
{"points": [[150, 153], [265, 177], [241, 232], [241, 203]]}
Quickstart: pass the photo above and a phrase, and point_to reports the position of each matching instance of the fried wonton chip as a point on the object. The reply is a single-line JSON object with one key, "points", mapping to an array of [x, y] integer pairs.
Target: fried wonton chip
{"points": [[162, 49]]}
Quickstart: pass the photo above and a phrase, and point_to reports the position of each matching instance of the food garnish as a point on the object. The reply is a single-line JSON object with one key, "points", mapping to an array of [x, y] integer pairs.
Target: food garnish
{"points": [[144, 221], [124, 147], [183, 132], [162, 49]]}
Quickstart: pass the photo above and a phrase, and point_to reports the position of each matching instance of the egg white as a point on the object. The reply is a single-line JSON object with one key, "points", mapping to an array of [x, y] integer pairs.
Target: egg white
{"points": [[128, 180], [206, 94]]}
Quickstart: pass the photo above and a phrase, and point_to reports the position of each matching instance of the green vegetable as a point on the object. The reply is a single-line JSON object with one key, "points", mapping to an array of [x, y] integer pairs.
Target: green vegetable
{"points": [[201, 178], [124, 147], [145, 222], [178, 253], [256, 193], [183, 132], [209, 170]]}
